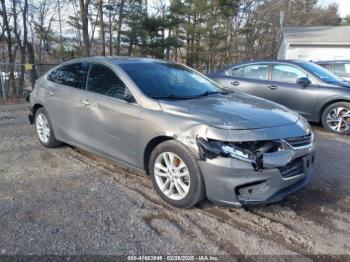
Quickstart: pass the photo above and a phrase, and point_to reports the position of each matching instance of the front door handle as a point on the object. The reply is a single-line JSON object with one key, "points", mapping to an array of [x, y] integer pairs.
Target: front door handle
{"points": [[52, 93], [85, 102], [273, 87], [235, 83]]}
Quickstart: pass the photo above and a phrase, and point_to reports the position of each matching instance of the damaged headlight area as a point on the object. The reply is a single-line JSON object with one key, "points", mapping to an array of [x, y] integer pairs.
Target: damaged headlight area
{"points": [[251, 152]]}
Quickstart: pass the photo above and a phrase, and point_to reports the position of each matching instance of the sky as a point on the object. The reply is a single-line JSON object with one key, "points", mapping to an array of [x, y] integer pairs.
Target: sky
{"points": [[344, 6]]}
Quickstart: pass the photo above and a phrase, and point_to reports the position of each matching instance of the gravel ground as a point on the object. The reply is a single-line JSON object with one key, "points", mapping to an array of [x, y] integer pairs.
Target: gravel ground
{"points": [[67, 202]]}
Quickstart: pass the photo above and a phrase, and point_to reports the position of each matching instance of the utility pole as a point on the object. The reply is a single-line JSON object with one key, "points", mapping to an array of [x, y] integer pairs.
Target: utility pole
{"points": [[281, 20]]}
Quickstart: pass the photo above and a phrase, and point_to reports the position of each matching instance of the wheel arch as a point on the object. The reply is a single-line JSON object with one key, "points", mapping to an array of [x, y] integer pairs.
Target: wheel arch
{"points": [[323, 108], [33, 112], [149, 148]]}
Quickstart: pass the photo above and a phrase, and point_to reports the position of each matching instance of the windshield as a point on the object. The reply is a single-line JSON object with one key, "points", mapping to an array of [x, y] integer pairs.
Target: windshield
{"points": [[321, 72], [169, 81]]}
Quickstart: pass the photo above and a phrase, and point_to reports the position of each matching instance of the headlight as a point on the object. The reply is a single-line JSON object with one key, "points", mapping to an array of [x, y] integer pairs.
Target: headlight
{"points": [[234, 152], [212, 149]]}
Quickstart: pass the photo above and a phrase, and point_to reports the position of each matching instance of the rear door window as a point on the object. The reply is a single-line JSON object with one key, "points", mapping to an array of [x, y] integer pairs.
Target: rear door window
{"points": [[72, 75], [256, 71], [53, 76], [104, 81], [238, 71]]}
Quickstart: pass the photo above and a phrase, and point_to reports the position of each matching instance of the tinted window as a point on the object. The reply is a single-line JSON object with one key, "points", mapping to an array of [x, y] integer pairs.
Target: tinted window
{"points": [[53, 76], [73, 75], [168, 80], [286, 73], [342, 68], [104, 81]]}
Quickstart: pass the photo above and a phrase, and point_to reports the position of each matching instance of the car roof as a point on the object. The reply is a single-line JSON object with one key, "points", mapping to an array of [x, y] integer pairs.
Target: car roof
{"points": [[333, 62], [115, 59], [296, 62]]}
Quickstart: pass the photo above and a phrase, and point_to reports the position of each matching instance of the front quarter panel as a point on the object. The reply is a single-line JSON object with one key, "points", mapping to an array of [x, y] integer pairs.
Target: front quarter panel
{"points": [[158, 123]]}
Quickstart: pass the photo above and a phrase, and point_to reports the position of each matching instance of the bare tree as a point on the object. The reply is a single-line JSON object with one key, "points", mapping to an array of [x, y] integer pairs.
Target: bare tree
{"points": [[84, 12], [102, 27], [11, 56], [21, 40], [119, 25]]}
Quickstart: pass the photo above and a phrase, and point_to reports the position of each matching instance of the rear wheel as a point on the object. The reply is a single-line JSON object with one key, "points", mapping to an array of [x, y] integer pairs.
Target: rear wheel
{"points": [[336, 118], [175, 174], [44, 129]]}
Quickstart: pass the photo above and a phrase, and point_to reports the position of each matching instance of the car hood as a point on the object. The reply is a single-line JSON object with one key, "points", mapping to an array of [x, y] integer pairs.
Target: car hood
{"points": [[232, 111]]}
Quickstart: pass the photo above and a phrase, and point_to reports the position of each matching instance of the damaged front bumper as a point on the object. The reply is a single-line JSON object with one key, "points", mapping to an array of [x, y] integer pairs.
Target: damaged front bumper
{"points": [[268, 178]]}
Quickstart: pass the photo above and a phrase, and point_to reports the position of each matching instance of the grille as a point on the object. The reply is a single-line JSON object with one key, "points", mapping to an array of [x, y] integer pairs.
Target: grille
{"points": [[299, 141], [293, 168]]}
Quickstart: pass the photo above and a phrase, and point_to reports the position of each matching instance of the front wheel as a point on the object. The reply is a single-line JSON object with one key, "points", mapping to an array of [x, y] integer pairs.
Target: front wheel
{"points": [[336, 118], [175, 174]]}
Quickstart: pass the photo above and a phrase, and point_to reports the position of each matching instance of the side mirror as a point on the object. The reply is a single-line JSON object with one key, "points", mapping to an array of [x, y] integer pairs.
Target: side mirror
{"points": [[303, 81]]}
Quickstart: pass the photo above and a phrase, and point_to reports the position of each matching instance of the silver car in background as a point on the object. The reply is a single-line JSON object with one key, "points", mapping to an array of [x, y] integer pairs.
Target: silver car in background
{"points": [[194, 139]]}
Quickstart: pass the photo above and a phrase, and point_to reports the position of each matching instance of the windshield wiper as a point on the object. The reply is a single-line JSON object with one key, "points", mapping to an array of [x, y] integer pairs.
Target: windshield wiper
{"points": [[172, 97], [175, 97], [206, 93]]}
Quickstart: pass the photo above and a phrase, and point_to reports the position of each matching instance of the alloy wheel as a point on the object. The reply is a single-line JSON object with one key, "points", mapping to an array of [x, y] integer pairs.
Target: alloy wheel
{"points": [[338, 119], [42, 127], [172, 175]]}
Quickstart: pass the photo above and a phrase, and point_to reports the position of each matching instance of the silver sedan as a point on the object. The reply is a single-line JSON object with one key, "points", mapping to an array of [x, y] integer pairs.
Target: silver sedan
{"points": [[193, 138]]}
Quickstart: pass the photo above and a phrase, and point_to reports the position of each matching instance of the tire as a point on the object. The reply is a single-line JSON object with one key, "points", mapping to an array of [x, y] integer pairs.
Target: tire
{"points": [[336, 118], [185, 161], [44, 129]]}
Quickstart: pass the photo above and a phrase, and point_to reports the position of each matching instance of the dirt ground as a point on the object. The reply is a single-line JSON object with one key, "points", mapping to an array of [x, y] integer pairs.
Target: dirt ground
{"points": [[66, 202]]}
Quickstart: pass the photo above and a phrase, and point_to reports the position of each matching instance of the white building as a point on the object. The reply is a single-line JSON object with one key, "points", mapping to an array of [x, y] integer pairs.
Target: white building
{"points": [[315, 43]]}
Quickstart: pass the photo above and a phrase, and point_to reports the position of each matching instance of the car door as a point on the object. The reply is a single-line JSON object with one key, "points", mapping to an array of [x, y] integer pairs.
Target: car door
{"points": [[251, 79], [284, 89], [108, 115], [64, 88]]}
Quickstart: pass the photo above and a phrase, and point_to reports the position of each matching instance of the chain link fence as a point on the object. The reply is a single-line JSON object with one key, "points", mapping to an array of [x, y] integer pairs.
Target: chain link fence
{"points": [[17, 80]]}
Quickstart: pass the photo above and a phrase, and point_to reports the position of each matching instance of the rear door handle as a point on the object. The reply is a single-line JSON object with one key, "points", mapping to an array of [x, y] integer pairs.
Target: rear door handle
{"points": [[273, 87], [85, 102], [235, 83], [52, 93]]}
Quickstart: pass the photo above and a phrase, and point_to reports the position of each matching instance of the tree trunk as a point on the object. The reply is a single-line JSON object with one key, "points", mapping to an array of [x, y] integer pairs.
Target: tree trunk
{"points": [[23, 48], [167, 52], [119, 26], [110, 27], [9, 47], [31, 60], [131, 44], [84, 10], [188, 42], [102, 28], [17, 89]]}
